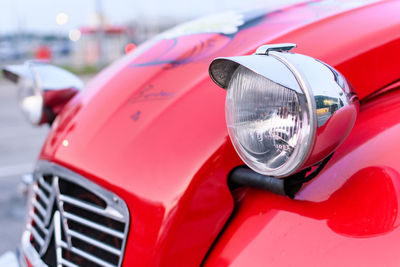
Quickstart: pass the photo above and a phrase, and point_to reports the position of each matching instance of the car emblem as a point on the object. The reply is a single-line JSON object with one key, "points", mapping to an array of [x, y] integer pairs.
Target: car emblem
{"points": [[56, 222]]}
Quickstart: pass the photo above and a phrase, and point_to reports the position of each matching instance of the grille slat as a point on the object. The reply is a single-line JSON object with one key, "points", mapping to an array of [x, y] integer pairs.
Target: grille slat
{"points": [[38, 222], [68, 263], [41, 194], [91, 224], [90, 207], [94, 242], [36, 235], [98, 218], [39, 207], [45, 185], [86, 255]]}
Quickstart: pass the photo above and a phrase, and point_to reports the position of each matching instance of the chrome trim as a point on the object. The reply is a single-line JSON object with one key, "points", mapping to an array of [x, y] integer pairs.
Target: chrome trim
{"points": [[307, 142], [40, 78], [323, 94], [87, 255], [91, 224], [110, 212], [265, 49], [29, 252], [60, 204], [115, 208], [47, 241], [109, 197], [68, 263], [42, 196], [37, 221], [36, 235], [49, 207], [222, 69], [44, 184], [45, 77], [57, 237], [39, 207], [94, 242], [325, 82]]}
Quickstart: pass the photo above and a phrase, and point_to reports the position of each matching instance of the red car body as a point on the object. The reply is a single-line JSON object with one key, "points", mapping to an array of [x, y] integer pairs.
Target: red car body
{"points": [[151, 129]]}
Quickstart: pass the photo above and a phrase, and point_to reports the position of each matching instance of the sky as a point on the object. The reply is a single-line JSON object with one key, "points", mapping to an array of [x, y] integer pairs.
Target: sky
{"points": [[40, 15]]}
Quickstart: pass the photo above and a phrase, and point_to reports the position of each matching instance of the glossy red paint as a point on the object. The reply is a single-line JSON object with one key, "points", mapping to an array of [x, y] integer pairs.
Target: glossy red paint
{"points": [[348, 216], [151, 128]]}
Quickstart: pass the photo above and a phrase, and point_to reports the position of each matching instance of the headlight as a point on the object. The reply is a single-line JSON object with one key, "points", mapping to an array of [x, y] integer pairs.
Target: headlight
{"points": [[266, 121], [279, 106], [30, 101], [41, 88]]}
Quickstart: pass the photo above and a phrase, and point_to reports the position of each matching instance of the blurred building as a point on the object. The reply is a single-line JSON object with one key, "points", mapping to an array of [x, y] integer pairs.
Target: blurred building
{"points": [[92, 45], [18, 47], [100, 46], [144, 28]]}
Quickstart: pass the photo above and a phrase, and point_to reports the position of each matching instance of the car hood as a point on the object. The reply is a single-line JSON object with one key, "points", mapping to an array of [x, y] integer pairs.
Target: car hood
{"points": [[151, 127]]}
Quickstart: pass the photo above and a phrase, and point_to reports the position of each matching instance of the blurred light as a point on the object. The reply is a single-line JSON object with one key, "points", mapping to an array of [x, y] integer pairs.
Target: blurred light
{"points": [[74, 35], [65, 142], [328, 102], [129, 48], [61, 18]]}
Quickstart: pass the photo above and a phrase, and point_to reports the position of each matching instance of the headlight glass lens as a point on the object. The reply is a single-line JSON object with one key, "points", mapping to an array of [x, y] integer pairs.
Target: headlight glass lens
{"points": [[264, 120], [31, 101]]}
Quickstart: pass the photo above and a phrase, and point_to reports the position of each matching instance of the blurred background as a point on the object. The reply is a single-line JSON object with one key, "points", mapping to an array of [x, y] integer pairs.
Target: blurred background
{"points": [[83, 37]]}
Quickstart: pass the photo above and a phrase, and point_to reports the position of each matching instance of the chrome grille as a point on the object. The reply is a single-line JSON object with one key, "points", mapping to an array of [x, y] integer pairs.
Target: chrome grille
{"points": [[74, 222]]}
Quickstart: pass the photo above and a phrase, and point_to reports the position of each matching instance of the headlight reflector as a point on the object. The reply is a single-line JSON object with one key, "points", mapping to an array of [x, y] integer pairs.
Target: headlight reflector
{"points": [[264, 120]]}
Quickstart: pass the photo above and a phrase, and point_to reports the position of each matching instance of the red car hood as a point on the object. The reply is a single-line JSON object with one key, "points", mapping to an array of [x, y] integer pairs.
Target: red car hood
{"points": [[151, 127]]}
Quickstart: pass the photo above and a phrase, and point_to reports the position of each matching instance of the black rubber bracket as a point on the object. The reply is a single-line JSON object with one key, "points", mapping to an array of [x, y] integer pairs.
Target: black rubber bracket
{"points": [[288, 186]]}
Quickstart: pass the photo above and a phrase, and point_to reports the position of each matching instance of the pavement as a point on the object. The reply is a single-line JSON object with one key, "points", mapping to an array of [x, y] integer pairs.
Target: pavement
{"points": [[20, 144]]}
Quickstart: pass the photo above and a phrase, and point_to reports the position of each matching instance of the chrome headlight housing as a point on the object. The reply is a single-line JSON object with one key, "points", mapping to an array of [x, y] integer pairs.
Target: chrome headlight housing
{"points": [[283, 109], [37, 82]]}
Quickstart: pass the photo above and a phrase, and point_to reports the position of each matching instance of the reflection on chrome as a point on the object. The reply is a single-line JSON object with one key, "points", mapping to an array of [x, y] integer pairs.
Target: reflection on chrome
{"points": [[284, 111]]}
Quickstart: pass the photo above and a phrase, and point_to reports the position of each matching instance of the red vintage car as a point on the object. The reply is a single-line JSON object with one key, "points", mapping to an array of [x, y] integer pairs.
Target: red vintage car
{"points": [[293, 162]]}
